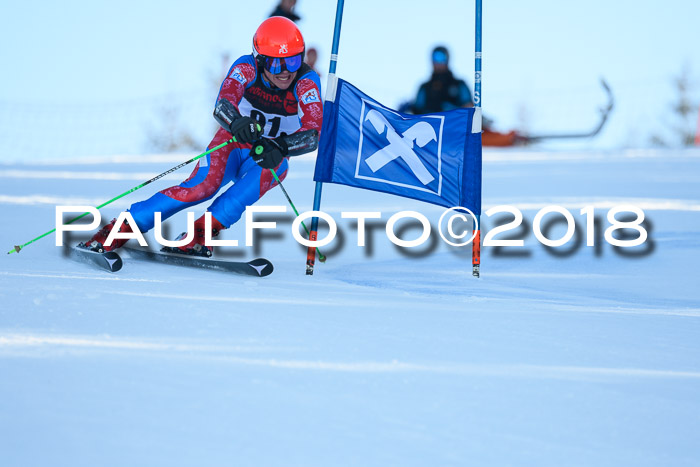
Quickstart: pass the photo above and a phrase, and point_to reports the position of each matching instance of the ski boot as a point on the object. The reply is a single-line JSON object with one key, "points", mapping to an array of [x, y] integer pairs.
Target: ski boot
{"points": [[197, 247], [96, 243]]}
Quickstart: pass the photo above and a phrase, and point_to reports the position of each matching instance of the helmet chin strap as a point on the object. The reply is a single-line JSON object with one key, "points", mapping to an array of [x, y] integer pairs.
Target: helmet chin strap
{"points": [[266, 81], [260, 62]]}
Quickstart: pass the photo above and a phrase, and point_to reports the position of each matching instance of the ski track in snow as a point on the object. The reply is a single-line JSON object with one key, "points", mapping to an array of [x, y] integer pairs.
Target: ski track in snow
{"points": [[48, 344], [49, 275]]}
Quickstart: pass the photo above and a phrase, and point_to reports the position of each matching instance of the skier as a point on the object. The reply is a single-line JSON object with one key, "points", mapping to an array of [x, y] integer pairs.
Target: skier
{"points": [[265, 96], [445, 92]]}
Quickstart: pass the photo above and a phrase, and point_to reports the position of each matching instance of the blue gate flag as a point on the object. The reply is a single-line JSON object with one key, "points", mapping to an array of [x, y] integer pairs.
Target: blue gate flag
{"points": [[434, 158]]}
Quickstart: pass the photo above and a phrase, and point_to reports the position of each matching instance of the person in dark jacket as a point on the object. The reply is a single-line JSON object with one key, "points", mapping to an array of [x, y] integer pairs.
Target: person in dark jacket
{"points": [[286, 9], [443, 91]]}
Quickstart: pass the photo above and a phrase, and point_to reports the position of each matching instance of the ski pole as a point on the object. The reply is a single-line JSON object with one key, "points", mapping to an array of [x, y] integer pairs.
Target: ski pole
{"points": [[17, 248], [258, 151]]}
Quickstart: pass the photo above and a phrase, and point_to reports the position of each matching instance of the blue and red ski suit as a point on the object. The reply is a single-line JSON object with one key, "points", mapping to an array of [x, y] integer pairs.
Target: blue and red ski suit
{"points": [[278, 111]]}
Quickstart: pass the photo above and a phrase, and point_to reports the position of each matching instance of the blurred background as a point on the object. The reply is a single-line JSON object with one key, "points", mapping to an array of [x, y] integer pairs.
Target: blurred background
{"points": [[89, 79]]}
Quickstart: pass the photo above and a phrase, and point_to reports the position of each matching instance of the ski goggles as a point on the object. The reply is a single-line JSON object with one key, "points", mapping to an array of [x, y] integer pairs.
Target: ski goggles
{"points": [[277, 65]]}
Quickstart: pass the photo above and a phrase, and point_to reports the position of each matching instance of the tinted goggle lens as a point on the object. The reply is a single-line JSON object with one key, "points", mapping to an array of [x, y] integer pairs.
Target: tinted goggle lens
{"points": [[278, 65]]}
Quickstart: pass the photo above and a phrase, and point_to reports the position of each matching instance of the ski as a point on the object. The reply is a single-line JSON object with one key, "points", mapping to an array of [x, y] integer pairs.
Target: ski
{"points": [[259, 267], [605, 113], [109, 261]]}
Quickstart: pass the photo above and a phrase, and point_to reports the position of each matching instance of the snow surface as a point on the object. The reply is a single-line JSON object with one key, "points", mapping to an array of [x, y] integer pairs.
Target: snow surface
{"points": [[589, 357]]}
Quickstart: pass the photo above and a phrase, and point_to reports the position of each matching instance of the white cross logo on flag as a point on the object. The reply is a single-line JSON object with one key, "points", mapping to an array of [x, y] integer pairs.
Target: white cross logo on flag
{"points": [[401, 145], [421, 161]]}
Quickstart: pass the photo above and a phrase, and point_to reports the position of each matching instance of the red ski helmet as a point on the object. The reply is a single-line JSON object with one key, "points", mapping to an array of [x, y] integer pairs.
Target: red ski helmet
{"points": [[278, 37]]}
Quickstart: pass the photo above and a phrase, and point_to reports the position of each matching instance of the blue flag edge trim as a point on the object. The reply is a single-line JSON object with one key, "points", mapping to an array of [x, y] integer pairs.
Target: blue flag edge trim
{"points": [[325, 158], [471, 171]]}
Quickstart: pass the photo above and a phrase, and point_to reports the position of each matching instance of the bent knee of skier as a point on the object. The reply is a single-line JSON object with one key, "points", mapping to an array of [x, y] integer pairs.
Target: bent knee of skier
{"points": [[230, 206], [227, 210]]}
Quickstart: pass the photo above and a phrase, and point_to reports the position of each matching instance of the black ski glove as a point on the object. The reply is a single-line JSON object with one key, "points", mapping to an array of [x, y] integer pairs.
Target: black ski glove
{"points": [[245, 130], [268, 153]]}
